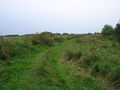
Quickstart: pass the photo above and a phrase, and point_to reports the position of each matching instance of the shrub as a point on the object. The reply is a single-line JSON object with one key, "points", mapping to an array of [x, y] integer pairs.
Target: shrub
{"points": [[107, 30], [35, 39], [117, 32], [45, 38], [27, 39], [112, 34], [59, 39]]}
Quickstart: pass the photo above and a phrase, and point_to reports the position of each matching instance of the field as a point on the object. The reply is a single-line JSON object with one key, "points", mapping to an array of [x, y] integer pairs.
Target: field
{"points": [[59, 62]]}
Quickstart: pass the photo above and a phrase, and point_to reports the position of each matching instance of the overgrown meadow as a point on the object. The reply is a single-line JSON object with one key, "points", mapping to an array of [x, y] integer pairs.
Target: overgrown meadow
{"points": [[47, 61]]}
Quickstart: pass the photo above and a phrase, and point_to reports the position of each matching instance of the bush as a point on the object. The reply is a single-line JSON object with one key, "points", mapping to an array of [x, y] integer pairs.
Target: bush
{"points": [[112, 34], [59, 39], [107, 30], [45, 38], [117, 32]]}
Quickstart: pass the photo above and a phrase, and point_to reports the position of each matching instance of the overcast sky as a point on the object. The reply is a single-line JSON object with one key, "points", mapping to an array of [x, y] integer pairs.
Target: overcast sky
{"points": [[71, 16]]}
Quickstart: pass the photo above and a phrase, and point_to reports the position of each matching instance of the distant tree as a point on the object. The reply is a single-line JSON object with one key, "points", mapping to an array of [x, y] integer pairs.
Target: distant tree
{"points": [[15, 35], [89, 33], [107, 30], [117, 32], [57, 33], [65, 33], [96, 33]]}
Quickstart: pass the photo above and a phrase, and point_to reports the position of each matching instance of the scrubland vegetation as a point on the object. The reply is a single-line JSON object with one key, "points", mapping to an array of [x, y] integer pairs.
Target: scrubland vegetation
{"points": [[47, 61]]}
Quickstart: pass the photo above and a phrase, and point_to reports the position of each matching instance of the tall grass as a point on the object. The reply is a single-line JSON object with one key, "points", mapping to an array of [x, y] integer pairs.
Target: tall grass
{"points": [[14, 47], [92, 57], [101, 56]]}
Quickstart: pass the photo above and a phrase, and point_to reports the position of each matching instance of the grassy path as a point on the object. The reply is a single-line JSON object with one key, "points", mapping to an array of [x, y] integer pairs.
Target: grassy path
{"points": [[10, 76], [50, 71], [46, 71]]}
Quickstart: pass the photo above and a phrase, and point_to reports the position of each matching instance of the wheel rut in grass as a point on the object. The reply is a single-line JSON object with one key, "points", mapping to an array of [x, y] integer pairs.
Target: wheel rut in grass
{"points": [[50, 71], [46, 72]]}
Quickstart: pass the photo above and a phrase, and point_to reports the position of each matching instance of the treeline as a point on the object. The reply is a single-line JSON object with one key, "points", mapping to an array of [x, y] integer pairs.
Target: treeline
{"points": [[15, 35], [111, 33]]}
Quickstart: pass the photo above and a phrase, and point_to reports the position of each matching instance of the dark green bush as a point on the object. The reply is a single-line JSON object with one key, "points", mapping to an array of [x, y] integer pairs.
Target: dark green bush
{"points": [[47, 38], [44, 38], [112, 34], [59, 38], [35, 39], [117, 32], [107, 30]]}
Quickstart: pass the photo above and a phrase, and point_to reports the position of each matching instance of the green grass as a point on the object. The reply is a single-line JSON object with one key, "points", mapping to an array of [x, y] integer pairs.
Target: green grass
{"points": [[10, 75], [107, 61], [86, 62]]}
